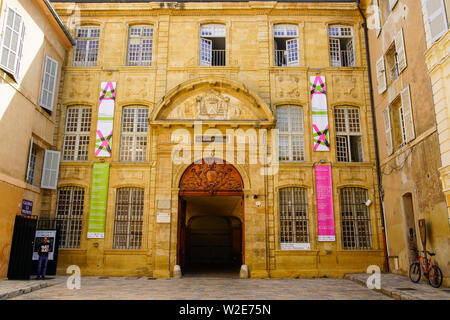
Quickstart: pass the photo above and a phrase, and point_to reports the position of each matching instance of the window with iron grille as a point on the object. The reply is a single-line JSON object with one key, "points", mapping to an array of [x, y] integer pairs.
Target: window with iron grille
{"points": [[76, 135], [129, 218], [356, 232], [290, 133], [212, 45], [348, 134], [140, 45], [293, 208], [69, 215], [133, 143], [86, 47], [342, 52], [286, 45]]}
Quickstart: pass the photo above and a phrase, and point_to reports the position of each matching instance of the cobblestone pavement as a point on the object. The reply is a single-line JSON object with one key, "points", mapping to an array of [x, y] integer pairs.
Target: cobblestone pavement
{"points": [[400, 287], [195, 288]]}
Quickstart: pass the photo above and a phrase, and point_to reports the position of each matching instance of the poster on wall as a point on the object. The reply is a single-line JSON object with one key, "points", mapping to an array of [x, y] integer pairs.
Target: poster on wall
{"points": [[295, 246], [98, 201], [39, 239], [324, 200], [103, 140], [321, 134]]}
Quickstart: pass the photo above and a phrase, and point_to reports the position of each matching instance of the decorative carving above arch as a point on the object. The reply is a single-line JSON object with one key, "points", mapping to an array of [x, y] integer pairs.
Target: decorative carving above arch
{"points": [[211, 177]]}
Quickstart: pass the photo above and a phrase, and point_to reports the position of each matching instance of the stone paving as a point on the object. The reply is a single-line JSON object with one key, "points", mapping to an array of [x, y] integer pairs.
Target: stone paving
{"points": [[401, 288], [203, 288], [12, 288]]}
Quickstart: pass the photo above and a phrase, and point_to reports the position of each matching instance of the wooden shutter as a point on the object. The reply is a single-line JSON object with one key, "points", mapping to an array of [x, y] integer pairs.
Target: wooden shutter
{"points": [[400, 49], [49, 83], [381, 75], [437, 19], [392, 4], [388, 130], [407, 114], [29, 160], [50, 170], [377, 17], [11, 19]]}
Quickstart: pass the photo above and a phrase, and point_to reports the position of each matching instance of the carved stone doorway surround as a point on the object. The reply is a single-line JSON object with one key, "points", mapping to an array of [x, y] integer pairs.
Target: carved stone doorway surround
{"points": [[208, 178]]}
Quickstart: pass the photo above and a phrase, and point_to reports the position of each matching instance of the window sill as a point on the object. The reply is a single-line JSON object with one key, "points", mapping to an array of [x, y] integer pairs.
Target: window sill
{"points": [[296, 252], [125, 251], [32, 188]]}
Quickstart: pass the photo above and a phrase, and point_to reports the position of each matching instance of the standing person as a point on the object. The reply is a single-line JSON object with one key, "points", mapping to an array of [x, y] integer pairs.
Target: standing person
{"points": [[43, 250]]}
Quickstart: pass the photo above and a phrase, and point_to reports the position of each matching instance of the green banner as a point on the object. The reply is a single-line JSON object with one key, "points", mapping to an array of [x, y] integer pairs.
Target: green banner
{"points": [[98, 201]]}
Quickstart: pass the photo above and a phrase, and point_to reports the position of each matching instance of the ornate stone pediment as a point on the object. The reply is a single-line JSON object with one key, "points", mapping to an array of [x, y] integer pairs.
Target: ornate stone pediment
{"points": [[211, 177]]}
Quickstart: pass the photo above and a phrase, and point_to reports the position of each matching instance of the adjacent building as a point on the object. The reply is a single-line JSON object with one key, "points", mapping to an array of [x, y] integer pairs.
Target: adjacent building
{"points": [[410, 93], [33, 49], [168, 114]]}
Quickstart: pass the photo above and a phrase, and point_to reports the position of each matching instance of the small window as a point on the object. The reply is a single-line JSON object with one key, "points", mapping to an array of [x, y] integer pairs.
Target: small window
{"points": [[86, 47], [140, 45], [32, 160], [286, 45], [133, 145], [342, 51], [291, 143], [212, 45], [348, 134], [69, 215], [12, 42], [128, 220], [293, 208], [398, 123], [356, 232], [76, 135]]}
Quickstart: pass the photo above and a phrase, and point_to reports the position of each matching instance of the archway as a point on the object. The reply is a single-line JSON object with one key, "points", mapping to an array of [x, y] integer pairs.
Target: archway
{"points": [[210, 218]]}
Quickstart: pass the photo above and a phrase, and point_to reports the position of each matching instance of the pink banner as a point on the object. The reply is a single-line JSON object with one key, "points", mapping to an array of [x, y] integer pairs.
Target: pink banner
{"points": [[324, 198]]}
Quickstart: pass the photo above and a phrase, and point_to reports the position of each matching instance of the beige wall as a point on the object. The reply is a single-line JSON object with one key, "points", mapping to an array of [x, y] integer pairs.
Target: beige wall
{"points": [[21, 117], [413, 168]]}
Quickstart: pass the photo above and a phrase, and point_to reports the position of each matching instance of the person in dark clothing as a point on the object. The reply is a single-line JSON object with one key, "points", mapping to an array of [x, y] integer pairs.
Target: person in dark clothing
{"points": [[43, 250]]}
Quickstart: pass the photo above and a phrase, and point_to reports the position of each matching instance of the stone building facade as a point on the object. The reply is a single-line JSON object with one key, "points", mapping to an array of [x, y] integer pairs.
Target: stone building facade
{"points": [[408, 136], [32, 51], [153, 87]]}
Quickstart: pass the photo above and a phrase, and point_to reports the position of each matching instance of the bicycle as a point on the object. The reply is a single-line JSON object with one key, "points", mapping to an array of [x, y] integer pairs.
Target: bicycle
{"points": [[425, 266]]}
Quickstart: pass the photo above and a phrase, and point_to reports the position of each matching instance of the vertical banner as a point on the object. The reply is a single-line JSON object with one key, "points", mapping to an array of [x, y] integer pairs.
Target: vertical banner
{"points": [[103, 141], [321, 135], [98, 201], [324, 199]]}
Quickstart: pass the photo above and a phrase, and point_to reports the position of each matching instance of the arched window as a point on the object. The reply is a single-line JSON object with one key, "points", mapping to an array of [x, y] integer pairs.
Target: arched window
{"points": [[290, 133], [140, 45], [86, 47], [128, 220], [342, 51], [285, 39], [293, 210], [212, 45], [133, 145], [76, 133], [356, 232], [69, 215], [348, 134]]}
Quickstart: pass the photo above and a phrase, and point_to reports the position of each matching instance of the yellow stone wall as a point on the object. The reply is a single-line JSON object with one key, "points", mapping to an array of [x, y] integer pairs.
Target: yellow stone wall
{"points": [[250, 77], [21, 116]]}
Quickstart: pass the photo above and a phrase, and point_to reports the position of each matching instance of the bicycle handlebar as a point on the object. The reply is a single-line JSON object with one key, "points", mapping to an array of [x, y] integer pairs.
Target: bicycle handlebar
{"points": [[426, 251]]}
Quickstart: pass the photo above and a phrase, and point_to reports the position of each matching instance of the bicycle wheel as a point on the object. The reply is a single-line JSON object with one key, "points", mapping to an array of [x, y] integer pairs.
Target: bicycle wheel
{"points": [[414, 272], [435, 277]]}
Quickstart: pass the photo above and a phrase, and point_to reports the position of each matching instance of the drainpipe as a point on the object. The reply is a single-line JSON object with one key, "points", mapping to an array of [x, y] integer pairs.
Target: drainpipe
{"points": [[377, 157]]}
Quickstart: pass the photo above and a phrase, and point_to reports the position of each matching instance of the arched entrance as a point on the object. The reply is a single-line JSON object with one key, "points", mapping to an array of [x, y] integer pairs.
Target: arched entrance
{"points": [[210, 218]]}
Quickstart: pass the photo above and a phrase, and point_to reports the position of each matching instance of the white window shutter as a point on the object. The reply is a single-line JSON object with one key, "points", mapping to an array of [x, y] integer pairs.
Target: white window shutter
{"points": [[49, 83], [408, 114], [401, 51], [29, 160], [437, 18], [388, 130], [50, 169], [351, 54], [20, 52], [11, 51], [381, 75], [392, 4], [377, 17]]}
